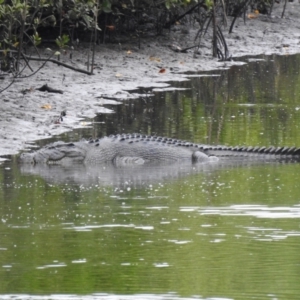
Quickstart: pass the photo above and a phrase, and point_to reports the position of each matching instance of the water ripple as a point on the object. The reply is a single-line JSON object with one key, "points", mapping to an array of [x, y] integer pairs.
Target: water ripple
{"points": [[104, 296], [258, 211]]}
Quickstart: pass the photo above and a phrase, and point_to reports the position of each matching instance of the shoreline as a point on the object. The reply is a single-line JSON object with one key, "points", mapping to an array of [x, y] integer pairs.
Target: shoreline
{"points": [[121, 68]]}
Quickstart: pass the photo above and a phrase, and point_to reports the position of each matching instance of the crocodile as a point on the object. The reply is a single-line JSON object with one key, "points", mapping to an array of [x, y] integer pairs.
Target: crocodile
{"points": [[139, 149]]}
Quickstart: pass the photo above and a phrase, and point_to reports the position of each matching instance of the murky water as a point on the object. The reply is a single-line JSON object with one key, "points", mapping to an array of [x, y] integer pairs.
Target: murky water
{"points": [[178, 232]]}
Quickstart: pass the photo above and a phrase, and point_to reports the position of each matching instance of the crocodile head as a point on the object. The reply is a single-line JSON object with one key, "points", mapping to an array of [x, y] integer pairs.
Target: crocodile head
{"points": [[27, 158], [56, 153]]}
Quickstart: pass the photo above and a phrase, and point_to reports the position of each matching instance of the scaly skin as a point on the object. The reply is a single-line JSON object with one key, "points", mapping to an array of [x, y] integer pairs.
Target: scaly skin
{"points": [[141, 149]]}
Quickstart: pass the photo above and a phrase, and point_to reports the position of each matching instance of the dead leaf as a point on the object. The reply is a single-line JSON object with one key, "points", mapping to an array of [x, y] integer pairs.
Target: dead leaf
{"points": [[118, 75], [46, 106], [129, 52], [252, 16], [110, 27], [153, 58], [163, 70]]}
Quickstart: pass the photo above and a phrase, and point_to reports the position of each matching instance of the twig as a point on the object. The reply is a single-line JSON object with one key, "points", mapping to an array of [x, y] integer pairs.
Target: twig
{"points": [[34, 46], [8, 85], [27, 76], [188, 48], [283, 9], [243, 5], [224, 13], [26, 61], [53, 61], [21, 36], [223, 43], [271, 7], [18, 76], [95, 36], [59, 63], [199, 34], [176, 19], [214, 24]]}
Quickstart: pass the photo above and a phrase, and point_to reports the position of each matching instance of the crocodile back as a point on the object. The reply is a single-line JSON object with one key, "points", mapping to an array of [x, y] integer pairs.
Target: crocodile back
{"points": [[149, 148]]}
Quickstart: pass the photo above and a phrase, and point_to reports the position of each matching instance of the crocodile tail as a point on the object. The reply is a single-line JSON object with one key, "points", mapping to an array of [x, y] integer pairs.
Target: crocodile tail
{"points": [[276, 153]]}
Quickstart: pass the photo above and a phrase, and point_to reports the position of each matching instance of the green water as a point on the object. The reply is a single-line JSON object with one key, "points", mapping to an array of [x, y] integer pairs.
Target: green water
{"points": [[216, 232]]}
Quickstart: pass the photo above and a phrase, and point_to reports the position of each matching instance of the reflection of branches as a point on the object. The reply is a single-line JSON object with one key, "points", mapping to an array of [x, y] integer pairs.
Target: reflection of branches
{"points": [[218, 83]]}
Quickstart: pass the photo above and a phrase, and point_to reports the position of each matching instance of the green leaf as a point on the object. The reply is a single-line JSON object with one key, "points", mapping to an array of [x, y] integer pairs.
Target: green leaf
{"points": [[88, 20], [168, 4], [106, 6]]}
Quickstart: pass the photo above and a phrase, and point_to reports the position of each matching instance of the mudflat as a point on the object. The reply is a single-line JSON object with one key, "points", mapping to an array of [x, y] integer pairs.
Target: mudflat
{"points": [[27, 114]]}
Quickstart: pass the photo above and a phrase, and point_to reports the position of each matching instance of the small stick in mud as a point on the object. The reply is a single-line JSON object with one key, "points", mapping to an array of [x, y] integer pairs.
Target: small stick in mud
{"points": [[46, 88]]}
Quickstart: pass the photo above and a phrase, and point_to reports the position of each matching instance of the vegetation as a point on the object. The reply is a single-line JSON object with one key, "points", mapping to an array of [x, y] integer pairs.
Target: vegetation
{"points": [[66, 22]]}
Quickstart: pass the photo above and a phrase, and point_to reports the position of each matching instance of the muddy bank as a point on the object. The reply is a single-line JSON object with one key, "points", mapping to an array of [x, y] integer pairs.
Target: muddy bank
{"points": [[121, 67]]}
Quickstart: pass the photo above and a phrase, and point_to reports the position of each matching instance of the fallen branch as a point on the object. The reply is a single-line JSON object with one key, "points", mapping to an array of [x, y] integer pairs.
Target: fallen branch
{"points": [[46, 88], [60, 64], [34, 72], [50, 60]]}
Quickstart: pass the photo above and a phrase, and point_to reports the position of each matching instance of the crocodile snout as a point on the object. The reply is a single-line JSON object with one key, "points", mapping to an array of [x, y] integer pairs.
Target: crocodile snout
{"points": [[26, 158]]}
